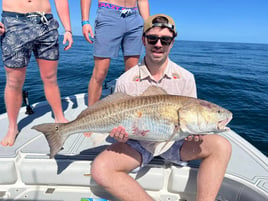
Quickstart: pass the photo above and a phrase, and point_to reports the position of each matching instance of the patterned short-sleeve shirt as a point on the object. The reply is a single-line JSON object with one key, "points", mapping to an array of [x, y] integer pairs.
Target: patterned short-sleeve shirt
{"points": [[175, 80]]}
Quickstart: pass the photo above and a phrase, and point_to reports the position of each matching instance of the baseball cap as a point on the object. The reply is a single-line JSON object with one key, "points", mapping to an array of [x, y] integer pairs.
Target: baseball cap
{"points": [[149, 23]]}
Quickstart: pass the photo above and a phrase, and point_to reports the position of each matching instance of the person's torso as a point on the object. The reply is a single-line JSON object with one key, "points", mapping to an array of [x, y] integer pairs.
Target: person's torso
{"points": [[176, 81], [122, 3], [26, 6]]}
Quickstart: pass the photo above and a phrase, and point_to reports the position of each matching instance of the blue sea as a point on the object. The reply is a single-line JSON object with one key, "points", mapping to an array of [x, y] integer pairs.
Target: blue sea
{"points": [[233, 75]]}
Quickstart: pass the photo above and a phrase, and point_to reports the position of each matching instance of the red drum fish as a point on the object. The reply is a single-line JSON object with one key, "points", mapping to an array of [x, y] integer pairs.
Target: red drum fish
{"points": [[153, 116]]}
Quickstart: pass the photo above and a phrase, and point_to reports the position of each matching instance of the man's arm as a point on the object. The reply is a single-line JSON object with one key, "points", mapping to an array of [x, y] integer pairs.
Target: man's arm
{"points": [[86, 27], [144, 8], [191, 87], [2, 29], [62, 7]]}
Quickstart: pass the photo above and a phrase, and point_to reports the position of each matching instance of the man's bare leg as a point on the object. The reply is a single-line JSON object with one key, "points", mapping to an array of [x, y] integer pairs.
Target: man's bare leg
{"points": [[48, 72], [215, 152], [98, 75], [131, 61], [113, 176], [13, 101]]}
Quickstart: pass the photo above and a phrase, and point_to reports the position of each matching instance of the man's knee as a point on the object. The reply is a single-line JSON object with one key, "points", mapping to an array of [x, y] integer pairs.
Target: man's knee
{"points": [[101, 68], [223, 143], [15, 84], [99, 77], [49, 78], [221, 146], [98, 171]]}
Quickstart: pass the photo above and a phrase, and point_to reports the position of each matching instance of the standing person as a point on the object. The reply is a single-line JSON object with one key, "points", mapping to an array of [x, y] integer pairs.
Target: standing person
{"points": [[111, 167], [28, 26], [119, 23]]}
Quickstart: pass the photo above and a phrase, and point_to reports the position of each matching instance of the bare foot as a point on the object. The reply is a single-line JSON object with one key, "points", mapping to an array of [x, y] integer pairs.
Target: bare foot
{"points": [[10, 137]]}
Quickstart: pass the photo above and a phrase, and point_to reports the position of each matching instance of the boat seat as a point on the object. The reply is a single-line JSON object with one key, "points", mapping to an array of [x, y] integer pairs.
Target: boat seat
{"points": [[10, 174], [67, 172]]}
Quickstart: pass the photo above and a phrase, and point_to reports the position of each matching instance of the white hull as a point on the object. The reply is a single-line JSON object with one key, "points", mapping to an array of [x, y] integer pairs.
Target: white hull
{"points": [[27, 173]]}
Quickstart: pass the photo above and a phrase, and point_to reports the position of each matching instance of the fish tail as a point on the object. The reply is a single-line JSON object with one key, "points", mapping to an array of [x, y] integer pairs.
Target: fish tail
{"points": [[53, 136]]}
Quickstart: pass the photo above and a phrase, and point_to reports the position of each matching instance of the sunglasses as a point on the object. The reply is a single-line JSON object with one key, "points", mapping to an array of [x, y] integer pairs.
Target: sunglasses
{"points": [[165, 40]]}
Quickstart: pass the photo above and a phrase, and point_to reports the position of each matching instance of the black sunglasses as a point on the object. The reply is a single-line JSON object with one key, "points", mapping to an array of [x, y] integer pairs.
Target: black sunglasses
{"points": [[165, 40]]}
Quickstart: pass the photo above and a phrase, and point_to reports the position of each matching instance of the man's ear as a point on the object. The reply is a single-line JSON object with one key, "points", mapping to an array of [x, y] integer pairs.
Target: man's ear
{"points": [[171, 44], [143, 40]]}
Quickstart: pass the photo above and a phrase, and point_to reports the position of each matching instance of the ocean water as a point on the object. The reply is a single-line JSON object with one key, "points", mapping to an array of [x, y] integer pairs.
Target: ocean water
{"points": [[233, 75]]}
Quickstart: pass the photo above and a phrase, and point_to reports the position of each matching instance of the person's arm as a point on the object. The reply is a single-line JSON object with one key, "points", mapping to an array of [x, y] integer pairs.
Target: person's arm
{"points": [[144, 9], [191, 88], [62, 7], [2, 29], [86, 27]]}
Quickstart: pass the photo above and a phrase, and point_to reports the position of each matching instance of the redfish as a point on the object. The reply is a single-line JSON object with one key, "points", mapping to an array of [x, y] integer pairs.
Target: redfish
{"points": [[153, 116]]}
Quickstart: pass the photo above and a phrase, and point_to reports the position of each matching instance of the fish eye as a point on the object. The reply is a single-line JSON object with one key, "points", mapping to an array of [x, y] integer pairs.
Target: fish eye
{"points": [[219, 111]]}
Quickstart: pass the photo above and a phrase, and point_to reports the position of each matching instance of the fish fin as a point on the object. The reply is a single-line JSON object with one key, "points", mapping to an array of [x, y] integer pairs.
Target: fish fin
{"points": [[53, 136], [157, 148], [182, 122], [107, 101], [163, 147], [153, 90]]}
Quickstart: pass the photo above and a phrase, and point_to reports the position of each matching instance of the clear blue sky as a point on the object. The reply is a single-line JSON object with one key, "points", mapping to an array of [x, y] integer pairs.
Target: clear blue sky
{"points": [[202, 20]]}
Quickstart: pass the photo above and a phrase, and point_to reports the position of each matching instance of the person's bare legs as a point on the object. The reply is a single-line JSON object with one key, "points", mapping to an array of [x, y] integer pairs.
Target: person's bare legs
{"points": [[215, 152], [131, 61], [110, 170], [48, 73], [98, 75], [15, 78]]}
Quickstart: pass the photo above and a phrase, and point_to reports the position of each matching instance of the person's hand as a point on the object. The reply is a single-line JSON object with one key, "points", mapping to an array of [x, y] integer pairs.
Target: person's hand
{"points": [[119, 133], [68, 37], [196, 138], [86, 30], [2, 29]]}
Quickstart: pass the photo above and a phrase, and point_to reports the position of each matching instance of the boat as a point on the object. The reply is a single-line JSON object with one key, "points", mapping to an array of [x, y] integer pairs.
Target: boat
{"points": [[27, 172]]}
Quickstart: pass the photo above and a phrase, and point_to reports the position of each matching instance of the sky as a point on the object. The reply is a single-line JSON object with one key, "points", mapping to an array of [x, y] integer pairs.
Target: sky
{"points": [[243, 21]]}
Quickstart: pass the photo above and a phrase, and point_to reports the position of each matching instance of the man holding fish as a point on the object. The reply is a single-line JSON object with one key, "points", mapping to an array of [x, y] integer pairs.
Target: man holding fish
{"points": [[111, 167], [155, 106]]}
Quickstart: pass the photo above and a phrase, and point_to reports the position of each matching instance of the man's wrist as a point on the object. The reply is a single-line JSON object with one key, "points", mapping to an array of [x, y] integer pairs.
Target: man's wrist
{"points": [[85, 22], [68, 31]]}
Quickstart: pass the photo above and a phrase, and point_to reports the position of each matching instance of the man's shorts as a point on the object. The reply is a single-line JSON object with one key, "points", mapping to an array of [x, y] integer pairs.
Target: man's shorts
{"points": [[114, 30], [26, 33], [172, 154]]}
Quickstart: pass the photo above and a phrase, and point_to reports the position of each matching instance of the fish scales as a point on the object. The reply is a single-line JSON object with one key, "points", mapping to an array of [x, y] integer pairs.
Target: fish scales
{"points": [[114, 114]]}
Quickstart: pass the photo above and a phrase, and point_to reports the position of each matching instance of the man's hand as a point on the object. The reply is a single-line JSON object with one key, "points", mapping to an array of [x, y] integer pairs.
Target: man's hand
{"points": [[119, 133], [86, 29], [196, 138], [68, 39], [2, 29]]}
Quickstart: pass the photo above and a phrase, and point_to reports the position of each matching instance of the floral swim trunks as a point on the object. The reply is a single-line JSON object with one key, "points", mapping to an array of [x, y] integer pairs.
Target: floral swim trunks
{"points": [[26, 33]]}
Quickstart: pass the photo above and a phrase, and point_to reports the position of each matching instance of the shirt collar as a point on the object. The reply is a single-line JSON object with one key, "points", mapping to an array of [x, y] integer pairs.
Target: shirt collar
{"points": [[145, 74]]}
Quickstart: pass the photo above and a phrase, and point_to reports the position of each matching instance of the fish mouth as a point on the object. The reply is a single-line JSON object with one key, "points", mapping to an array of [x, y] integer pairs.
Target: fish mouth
{"points": [[222, 124]]}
